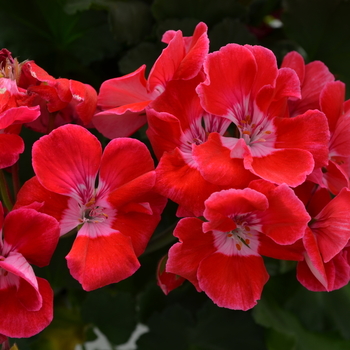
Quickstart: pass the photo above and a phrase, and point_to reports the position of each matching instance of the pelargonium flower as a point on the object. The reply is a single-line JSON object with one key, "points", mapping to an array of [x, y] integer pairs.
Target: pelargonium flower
{"points": [[177, 124], [244, 85], [26, 301], [123, 100], [327, 248], [335, 175], [223, 255], [14, 110], [115, 220], [61, 100], [313, 77]]}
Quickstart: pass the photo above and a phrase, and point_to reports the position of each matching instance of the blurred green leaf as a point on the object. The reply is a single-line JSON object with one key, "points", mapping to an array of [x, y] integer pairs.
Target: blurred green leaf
{"points": [[223, 329], [73, 6], [337, 305], [130, 21], [169, 330], [230, 31], [279, 341], [112, 312], [144, 53], [209, 11], [322, 29]]}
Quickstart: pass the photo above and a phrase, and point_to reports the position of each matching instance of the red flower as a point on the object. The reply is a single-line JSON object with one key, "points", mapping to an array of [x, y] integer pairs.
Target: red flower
{"points": [[244, 85], [26, 237], [222, 256], [65, 100], [327, 261], [124, 99], [115, 220]]}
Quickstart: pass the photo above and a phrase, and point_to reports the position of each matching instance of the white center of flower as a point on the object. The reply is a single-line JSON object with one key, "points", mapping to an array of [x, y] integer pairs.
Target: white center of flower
{"points": [[92, 213]]}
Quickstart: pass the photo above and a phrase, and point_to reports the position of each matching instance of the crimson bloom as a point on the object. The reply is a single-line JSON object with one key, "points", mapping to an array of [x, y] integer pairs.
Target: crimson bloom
{"points": [[327, 250], [123, 100], [244, 85], [222, 256], [114, 220], [26, 301]]}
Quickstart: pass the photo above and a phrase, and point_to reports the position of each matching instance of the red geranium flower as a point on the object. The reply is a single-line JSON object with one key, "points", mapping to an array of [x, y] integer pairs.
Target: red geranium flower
{"points": [[115, 219]]}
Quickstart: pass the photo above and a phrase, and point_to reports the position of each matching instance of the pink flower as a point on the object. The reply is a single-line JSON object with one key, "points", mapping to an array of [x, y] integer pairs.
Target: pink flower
{"points": [[124, 99], [115, 220], [222, 256], [26, 237]]}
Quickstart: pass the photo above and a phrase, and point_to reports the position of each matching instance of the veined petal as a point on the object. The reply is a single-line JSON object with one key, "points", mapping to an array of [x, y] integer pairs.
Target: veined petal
{"points": [[51, 203], [230, 78], [285, 219], [290, 166], [183, 183], [85, 98], [308, 132], [21, 276], [332, 97], [16, 321], [18, 115], [122, 161], [67, 161], [33, 234], [332, 225], [106, 258], [121, 121], [222, 206], [194, 246], [11, 146], [167, 64], [125, 90], [234, 282], [217, 164]]}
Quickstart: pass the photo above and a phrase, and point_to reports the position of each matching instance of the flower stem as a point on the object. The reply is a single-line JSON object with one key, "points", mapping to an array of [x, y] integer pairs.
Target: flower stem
{"points": [[161, 240], [15, 179], [4, 191]]}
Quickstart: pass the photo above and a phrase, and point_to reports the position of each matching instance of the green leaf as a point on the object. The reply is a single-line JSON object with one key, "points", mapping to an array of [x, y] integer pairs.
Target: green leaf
{"points": [[73, 6], [210, 12], [337, 304], [230, 31], [223, 329], [112, 312], [130, 21], [322, 29], [169, 330], [144, 53]]}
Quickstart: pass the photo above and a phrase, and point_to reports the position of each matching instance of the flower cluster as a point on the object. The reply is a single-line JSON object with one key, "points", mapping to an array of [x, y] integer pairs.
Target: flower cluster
{"points": [[256, 156]]}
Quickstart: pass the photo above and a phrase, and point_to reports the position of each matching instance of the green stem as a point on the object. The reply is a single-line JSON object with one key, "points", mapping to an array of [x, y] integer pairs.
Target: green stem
{"points": [[15, 179], [51, 123], [162, 240], [5, 193]]}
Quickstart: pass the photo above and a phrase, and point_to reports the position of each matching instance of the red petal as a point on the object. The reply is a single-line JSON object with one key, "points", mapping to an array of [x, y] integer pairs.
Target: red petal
{"points": [[185, 257], [33, 234], [67, 160], [11, 146], [16, 321], [231, 75], [97, 262], [121, 121], [332, 225], [233, 282], [125, 90], [183, 183], [123, 160]]}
